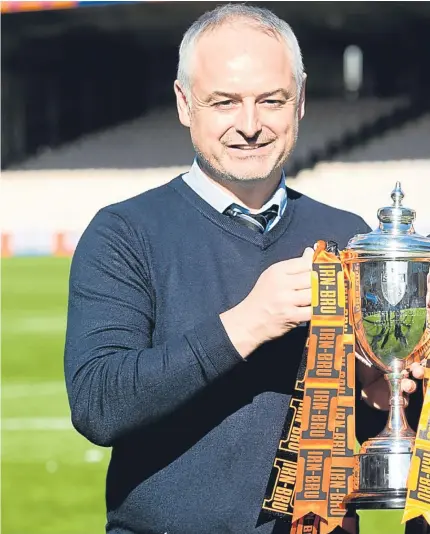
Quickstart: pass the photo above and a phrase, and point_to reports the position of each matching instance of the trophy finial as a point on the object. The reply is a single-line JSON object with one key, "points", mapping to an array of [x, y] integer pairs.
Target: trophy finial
{"points": [[396, 218], [397, 195], [395, 235]]}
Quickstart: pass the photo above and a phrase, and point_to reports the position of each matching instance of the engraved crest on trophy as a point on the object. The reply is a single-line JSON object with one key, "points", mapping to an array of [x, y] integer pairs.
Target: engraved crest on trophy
{"points": [[393, 281]]}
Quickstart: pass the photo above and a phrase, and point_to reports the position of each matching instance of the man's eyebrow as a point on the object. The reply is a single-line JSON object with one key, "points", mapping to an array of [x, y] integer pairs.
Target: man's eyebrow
{"points": [[284, 92], [221, 94], [236, 96]]}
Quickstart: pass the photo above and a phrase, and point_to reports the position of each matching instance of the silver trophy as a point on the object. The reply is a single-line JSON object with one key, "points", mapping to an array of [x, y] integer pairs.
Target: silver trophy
{"points": [[390, 266]]}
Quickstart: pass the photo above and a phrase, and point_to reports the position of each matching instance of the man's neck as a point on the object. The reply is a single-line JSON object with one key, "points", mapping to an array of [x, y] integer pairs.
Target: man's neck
{"points": [[253, 194]]}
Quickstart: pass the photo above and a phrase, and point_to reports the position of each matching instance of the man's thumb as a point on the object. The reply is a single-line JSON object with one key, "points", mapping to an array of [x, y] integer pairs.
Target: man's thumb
{"points": [[308, 256], [308, 253]]}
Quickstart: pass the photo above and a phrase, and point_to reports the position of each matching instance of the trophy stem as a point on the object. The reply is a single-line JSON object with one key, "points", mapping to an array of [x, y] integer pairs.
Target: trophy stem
{"points": [[382, 467], [397, 424]]}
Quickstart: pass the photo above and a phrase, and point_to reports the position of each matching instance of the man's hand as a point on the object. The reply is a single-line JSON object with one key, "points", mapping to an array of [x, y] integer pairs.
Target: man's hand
{"points": [[375, 389], [279, 301]]}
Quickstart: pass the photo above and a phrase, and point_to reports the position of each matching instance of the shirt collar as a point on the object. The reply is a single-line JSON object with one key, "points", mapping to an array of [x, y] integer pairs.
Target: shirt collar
{"points": [[220, 199]]}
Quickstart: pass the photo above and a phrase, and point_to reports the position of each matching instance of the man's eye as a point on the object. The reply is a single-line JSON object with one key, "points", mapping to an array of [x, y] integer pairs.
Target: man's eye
{"points": [[224, 104], [273, 102]]}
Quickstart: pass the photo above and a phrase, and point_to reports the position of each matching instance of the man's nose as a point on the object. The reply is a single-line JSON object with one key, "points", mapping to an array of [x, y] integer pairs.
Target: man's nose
{"points": [[248, 121]]}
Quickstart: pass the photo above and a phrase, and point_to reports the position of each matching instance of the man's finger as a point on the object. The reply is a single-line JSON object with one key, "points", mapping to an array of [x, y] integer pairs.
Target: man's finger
{"points": [[408, 385], [303, 314], [297, 265], [302, 297], [417, 371], [302, 281]]}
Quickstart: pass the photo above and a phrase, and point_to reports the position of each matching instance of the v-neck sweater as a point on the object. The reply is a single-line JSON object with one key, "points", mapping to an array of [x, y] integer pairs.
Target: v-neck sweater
{"points": [[151, 371]]}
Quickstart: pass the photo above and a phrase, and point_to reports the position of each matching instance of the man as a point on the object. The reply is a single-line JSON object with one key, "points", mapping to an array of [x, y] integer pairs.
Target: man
{"points": [[187, 315]]}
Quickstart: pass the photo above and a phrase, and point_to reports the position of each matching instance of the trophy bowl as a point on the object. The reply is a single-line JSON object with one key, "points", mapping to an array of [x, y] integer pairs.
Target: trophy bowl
{"points": [[389, 268]]}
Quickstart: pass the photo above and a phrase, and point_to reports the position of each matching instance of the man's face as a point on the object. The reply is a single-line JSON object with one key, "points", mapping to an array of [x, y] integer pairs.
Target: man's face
{"points": [[244, 109]]}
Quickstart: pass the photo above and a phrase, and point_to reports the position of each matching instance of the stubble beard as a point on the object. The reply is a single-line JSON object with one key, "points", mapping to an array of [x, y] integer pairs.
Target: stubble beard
{"points": [[225, 177]]}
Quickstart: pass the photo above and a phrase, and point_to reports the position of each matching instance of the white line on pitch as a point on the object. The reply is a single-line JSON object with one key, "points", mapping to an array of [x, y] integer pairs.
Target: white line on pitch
{"points": [[36, 423], [41, 324], [38, 389]]}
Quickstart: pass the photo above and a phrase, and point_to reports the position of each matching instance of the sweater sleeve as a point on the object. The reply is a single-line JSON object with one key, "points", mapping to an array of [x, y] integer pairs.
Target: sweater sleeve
{"points": [[116, 380]]}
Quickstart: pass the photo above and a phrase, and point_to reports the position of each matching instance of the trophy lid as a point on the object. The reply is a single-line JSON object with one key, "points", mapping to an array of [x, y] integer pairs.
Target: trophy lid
{"points": [[395, 237]]}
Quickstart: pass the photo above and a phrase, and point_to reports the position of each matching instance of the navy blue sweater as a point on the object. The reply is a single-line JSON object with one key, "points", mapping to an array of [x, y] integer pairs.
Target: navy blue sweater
{"points": [[151, 371]]}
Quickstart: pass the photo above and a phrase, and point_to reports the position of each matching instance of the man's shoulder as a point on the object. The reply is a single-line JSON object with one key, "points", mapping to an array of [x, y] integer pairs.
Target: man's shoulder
{"points": [[321, 211], [322, 221], [150, 203]]}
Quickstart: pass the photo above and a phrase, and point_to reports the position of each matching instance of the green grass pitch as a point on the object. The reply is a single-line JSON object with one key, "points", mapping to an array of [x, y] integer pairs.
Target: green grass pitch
{"points": [[52, 478]]}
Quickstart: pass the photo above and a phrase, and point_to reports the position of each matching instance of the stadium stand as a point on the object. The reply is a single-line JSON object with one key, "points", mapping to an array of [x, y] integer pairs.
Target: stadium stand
{"points": [[412, 141], [106, 167], [158, 140], [328, 120], [89, 115]]}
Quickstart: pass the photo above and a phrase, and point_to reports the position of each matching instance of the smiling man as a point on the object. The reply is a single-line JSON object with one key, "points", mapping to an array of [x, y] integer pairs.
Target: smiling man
{"points": [[240, 90], [189, 304]]}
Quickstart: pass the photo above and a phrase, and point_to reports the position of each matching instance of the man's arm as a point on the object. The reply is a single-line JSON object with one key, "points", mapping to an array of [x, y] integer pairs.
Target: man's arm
{"points": [[116, 380]]}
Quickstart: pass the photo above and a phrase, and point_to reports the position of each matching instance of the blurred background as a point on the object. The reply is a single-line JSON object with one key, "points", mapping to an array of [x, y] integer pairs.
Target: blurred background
{"points": [[88, 118]]}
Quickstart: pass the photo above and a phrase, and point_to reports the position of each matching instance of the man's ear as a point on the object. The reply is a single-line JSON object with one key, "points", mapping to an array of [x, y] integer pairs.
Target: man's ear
{"points": [[182, 105], [301, 106]]}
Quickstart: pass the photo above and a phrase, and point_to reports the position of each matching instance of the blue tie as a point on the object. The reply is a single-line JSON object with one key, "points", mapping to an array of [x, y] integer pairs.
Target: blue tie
{"points": [[256, 221]]}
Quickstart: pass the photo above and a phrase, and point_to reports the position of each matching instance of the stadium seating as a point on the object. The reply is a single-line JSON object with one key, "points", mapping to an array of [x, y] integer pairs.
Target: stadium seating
{"points": [[329, 120], [115, 164], [158, 140], [412, 141]]}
